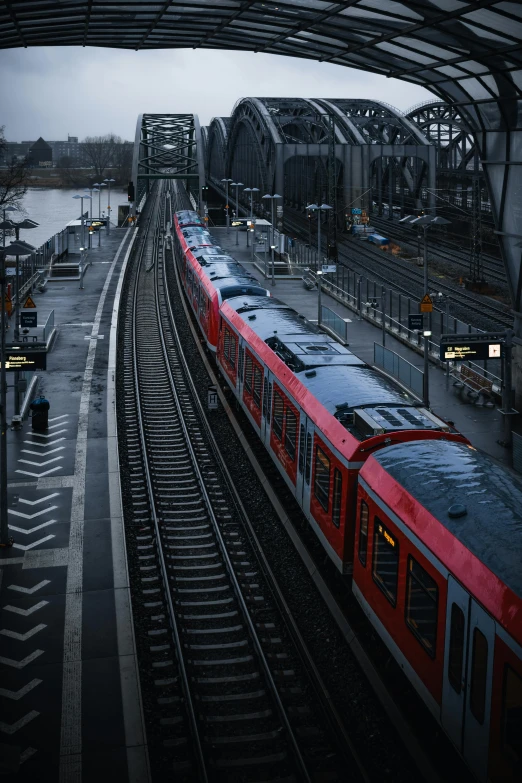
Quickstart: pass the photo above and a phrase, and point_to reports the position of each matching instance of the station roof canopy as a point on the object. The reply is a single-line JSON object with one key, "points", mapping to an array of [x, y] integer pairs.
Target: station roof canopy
{"points": [[422, 41]]}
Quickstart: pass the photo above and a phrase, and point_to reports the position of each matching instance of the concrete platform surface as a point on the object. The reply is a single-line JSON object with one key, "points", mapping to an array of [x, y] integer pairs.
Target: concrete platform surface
{"points": [[69, 697]]}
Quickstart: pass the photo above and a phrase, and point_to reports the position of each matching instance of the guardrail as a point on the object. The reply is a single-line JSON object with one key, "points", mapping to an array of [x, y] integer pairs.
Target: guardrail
{"points": [[400, 368], [517, 452], [49, 326], [334, 322]]}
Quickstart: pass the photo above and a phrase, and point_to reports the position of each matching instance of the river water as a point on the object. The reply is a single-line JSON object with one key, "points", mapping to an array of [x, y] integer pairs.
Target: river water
{"points": [[53, 208]]}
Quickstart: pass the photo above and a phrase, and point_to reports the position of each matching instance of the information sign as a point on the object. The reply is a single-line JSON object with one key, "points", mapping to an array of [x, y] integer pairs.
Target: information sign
{"points": [[464, 351], [212, 398], [415, 322], [356, 211], [426, 305], [25, 360], [328, 268], [29, 320], [29, 304]]}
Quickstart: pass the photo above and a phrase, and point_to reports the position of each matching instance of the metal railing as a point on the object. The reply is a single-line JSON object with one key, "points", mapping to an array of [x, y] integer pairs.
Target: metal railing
{"points": [[48, 327], [400, 368], [334, 322], [517, 452]]}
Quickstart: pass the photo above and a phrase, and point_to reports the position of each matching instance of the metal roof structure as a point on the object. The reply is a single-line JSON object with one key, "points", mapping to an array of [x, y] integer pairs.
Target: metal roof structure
{"points": [[468, 53]]}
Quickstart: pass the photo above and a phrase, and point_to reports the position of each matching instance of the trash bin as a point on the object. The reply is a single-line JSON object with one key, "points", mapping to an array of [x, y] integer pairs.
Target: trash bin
{"points": [[40, 418]]}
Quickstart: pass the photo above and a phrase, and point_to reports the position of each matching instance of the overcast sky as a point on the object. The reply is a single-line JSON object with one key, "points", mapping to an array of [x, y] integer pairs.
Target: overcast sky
{"points": [[54, 91]]}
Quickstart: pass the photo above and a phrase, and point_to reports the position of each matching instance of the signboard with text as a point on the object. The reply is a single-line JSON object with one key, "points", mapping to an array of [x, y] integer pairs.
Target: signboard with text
{"points": [[328, 268], [464, 351], [25, 360], [356, 211], [29, 320], [426, 304], [415, 322]]}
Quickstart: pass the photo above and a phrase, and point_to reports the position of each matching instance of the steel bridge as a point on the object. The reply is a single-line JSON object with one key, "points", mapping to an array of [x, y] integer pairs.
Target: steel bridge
{"points": [[468, 54]]}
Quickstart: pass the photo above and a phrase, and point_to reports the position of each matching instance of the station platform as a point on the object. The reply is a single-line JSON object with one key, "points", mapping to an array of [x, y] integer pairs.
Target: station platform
{"points": [[70, 706], [484, 427]]}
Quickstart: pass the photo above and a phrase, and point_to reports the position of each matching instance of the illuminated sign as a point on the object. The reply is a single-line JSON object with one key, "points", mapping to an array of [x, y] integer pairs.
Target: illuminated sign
{"points": [[470, 350], [26, 360]]}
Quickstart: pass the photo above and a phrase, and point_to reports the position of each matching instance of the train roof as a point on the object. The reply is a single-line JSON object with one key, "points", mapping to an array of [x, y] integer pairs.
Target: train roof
{"points": [[201, 252], [442, 474], [208, 259], [233, 269]]}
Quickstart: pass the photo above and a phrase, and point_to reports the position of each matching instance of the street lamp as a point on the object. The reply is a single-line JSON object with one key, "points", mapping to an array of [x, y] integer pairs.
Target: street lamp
{"points": [[226, 181], [319, 209], [4, 226], [237, 185], [108, 181], [98, 191], [251, 191], [18, 248], [82, 219], [5, 539], [272, 245]]}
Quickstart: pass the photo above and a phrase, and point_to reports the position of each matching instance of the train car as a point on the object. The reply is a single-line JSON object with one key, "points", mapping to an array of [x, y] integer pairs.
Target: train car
{"points": [[319, 410], [187, 218], [438, 572]]}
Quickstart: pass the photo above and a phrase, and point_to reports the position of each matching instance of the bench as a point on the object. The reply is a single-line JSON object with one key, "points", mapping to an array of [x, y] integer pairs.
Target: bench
{"points": [[308, 280], [476, 383]]}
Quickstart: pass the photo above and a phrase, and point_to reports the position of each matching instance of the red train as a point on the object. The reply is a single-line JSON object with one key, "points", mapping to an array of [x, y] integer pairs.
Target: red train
{"points": [[366, 463]]}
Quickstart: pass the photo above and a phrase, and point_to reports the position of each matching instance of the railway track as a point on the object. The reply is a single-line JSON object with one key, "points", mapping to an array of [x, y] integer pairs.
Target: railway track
{"points": [[232, 693], [400, 276]]}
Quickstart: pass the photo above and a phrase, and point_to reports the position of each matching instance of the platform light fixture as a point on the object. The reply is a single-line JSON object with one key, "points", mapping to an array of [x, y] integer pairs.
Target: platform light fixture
{"points": [[318, 209], [251, 191], [237, 185], [226, 181], [108, 182], [272, 245]]}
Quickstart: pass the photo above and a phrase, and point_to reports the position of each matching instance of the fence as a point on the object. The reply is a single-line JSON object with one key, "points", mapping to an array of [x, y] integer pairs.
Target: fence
{"points": [[517, 452], [49, 326], [401, 369], [334, 322]]}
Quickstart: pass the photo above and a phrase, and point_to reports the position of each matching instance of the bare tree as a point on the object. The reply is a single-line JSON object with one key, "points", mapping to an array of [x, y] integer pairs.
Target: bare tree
{"points": [[13, 177], [122, 161], [99, 152]]}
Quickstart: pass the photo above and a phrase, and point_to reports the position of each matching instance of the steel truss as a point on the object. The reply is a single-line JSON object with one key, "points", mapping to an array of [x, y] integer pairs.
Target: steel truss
{"points": [[168, 146], [318, 151]]}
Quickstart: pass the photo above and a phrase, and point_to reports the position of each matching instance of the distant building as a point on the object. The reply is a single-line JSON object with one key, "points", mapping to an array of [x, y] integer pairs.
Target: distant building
{"points": [[40, 154]]}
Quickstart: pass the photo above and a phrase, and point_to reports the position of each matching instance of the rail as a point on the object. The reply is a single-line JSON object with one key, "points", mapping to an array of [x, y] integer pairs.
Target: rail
{"points": [[335, 323], [399, 368]]}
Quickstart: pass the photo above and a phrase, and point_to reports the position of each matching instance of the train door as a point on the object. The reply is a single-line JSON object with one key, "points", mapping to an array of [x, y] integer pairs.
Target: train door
{"points": [[468, 673], [304, 476]]}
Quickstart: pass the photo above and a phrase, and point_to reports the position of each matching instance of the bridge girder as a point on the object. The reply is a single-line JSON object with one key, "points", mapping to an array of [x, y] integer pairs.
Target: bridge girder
{"points": [[168, 146]]}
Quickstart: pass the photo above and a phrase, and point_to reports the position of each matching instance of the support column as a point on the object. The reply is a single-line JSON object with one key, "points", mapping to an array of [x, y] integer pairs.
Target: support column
{"points": [[280, 183]]}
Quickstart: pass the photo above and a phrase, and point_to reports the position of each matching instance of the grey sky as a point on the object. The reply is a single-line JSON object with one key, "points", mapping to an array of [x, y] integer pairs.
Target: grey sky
{"points": [[54, 91]]}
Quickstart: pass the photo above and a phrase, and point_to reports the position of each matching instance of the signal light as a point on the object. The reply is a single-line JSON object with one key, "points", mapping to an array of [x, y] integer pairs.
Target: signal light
{"points": [[130, 191]]}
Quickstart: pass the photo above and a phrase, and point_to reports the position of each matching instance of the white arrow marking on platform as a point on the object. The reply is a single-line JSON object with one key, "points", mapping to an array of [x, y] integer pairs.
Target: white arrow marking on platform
{"points": [[26, 612], [43, 445], [17, 695], [29, 590], [51, 434], [32, 529], [26, 755], [38, 475], [31, 546], [22, 637], [31, 516], [40, 500], [63, 416], [53, 427], [40, 464], [13, 727], [20, 664], [38, 453]]}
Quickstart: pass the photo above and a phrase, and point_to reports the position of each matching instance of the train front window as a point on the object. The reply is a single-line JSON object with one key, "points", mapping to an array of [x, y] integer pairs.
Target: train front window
{"points": [[363, 532], [421, 605], [322, 478], [385, 568], [512, 714], [456, 648], [479, 671]]}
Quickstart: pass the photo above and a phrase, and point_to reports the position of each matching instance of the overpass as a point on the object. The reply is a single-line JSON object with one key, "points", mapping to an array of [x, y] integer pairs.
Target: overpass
{"points": [[468, 54]]}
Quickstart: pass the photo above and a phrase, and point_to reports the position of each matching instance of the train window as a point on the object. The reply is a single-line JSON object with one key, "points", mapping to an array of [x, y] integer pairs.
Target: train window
{"points": [[302, 439], [265, 399], [291, 433], [258, 382], [322, 478], [229, 349], [309, 442], [385, 568], [456, 648], [479, 670], [422, 596], [337, 497], [248, 373], [512, 714], [279, 406], [363, 532], [226, 343], [269, 400]]}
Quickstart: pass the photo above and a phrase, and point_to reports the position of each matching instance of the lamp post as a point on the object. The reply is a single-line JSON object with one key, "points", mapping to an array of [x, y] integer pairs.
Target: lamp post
{"points": [[272, 243], [17, 248], [251, 191], [5, 539], [318, 209], [98, 191], [82, 219], [108, 181], [237, 185], [4, 227], [226, 181]]}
